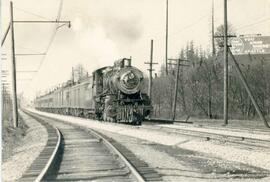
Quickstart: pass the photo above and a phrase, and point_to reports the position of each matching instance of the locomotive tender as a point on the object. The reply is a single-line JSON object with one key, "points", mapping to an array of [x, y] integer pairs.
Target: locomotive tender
{"points": [[112, 93]]}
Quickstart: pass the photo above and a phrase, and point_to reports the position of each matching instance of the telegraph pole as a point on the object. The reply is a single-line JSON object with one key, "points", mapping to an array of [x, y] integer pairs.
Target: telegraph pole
{"points": [[13, 58], [225, 104], [213, 30], [176, 84], [166, 46], [13, 69], [175, 89], [213, 56], [150, 70]]}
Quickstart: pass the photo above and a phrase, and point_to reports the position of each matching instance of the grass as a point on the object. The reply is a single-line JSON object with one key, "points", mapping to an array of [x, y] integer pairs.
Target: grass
{"points": [[11, 136]]}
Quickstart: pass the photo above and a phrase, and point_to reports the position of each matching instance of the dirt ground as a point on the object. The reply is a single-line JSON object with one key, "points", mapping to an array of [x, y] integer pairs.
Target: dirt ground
{"points": [[22, 147], [11, 137]]}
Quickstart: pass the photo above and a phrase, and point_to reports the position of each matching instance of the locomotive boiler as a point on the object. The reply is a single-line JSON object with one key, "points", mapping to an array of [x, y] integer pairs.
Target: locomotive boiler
{"points": [[112, 93]]}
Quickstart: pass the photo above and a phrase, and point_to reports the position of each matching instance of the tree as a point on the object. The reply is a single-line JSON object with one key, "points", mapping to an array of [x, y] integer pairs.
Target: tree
{"points": [[220, 32], [200, 90], [78, 73]]}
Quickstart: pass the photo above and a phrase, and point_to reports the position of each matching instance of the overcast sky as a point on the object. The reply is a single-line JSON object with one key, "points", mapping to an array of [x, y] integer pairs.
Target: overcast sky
{"points": [[105, 30]]}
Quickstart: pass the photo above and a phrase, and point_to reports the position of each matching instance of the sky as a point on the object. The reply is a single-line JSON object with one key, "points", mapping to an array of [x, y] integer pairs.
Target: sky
{"points": [[103, 31]]}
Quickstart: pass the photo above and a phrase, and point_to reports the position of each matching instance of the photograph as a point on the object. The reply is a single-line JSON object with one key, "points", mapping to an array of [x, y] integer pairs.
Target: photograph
{"points": [[135, 90]]}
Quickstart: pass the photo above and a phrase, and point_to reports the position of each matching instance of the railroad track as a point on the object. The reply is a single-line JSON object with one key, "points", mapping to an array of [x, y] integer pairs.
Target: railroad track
{"points": [[85, 155], [238, 129], [234, 125], [242, 140], [47, 158]]}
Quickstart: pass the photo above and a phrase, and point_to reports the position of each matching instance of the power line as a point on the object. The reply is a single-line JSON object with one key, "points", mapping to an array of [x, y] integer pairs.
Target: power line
{"points": [[186, 27], [26, 71], [27, 54], [160, 35], [39, 21], [53, 34], [30, 79], [38, 54], [191, 25], [50, 42], [27, 11], [255, 23], [28, 49], [31, 13]]}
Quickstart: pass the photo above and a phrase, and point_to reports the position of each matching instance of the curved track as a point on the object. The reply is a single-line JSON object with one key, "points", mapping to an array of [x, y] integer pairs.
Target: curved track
{"points": [[47, 157], [81, 156]]}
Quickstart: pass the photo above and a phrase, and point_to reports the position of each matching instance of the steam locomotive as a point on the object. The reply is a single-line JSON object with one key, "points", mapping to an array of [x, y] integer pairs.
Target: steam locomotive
{"points": [[112, 93]]}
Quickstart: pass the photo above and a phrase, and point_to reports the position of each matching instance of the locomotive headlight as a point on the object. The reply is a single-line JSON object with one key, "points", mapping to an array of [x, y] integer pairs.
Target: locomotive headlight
{"points": [[130, 80]]}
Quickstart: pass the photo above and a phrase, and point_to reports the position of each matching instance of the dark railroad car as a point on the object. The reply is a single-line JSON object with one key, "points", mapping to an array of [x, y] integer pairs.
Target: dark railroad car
{"points": [[112, 93]]}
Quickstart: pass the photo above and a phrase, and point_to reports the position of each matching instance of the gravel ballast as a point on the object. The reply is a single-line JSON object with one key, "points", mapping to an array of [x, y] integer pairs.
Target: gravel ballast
{"points": [[177, 164], [27, 151]]}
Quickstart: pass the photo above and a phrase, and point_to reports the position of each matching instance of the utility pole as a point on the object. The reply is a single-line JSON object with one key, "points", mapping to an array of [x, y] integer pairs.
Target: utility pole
{"points": [[242, 78], [175, 89], [213, 31], [166, 46], [176, 84], [209, 71], [13, 58], [225, 102], [150, 70], [13, 69]]}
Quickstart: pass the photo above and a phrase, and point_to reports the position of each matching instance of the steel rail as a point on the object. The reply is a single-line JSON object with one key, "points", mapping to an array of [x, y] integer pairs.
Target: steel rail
{"points": [[111, 147], [133, 170], [237, 129], [52, 158], [213, 136], [222, 135]]}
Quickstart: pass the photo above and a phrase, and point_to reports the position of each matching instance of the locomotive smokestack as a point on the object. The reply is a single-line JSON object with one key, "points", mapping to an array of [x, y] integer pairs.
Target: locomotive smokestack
{"points": [[129, 62]]}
